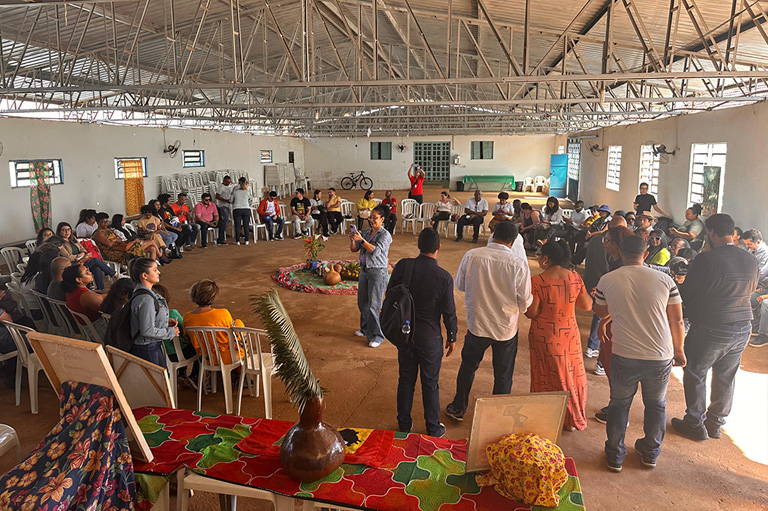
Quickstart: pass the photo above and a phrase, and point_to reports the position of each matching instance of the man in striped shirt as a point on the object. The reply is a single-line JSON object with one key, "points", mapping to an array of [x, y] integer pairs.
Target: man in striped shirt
{"points": [[648, 332]]}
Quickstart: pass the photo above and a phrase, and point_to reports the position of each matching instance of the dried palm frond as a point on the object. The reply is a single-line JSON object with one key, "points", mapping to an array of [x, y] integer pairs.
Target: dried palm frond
{"points": [[290, 363]]}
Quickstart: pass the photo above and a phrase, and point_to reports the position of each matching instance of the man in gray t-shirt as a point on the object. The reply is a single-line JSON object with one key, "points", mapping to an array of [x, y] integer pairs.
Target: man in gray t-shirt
{"points": [[646, 311]]}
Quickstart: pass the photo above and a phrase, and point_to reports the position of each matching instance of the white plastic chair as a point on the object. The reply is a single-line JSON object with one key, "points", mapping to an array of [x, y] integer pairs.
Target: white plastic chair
{"points": [[28, 360], [456, 211], [187, 481], [408, 210], [53, 324], [287, 215], [377, 201], [9, 441], [12, 257], [209, 361], [255, 363], [31, 246], [427, 212], [539, 181], [416, 217], [348, 210], [21, 300], [173, 367], [257, 224], [71, 325], [87, 329], [528, 184]]}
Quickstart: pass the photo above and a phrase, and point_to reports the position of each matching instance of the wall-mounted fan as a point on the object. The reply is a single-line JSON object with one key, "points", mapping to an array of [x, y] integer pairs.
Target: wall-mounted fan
{"points": [[172, 149], [401, 148], [595, 149], [661, 151]]}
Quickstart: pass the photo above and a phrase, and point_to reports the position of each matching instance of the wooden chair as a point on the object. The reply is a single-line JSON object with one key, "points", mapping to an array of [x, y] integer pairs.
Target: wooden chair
{"points": [[210, 361], [26, 359], [255, 363]]}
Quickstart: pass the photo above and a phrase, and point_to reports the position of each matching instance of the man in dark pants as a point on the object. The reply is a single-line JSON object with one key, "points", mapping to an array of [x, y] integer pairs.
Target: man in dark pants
{"points": [[716, 295], [474, 214], [493, 278], [432, 290]]}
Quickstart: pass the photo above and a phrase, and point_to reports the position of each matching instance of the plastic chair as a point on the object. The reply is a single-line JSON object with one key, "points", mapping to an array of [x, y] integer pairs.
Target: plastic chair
{"points": [[539, 181], [427, 212], [528, 184], [285, 212], [73, 329], [255, 363], [31, 246], [416, 216], [209, 361], [173, 367], [21, 300], [456, 211], [87, 329], [9, 441], [407, 211], [348, 210], [377, 201], [52, 322], [28, 360], [12, 257], [187, 481], [257, 224]]}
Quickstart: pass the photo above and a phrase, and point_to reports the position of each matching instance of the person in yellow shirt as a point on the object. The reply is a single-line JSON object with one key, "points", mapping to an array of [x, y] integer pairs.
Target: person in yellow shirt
{"points": [[364, 208], [203, 293]]}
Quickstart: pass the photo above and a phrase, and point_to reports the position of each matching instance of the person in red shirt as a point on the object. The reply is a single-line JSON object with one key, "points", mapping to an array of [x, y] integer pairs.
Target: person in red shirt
{"points": [[181, 210], [269, 211], [390, 223], [416, 175]]}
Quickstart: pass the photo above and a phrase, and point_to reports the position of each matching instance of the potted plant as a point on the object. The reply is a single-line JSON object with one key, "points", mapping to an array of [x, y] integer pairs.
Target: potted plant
{"points": [[311, 449], [315, 245]]}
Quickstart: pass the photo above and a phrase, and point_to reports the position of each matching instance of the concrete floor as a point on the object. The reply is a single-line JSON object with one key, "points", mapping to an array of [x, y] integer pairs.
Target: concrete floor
{"points": [[716, 474]]}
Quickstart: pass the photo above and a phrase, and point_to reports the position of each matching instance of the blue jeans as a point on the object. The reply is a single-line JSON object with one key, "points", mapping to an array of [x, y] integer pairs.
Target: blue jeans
{"points": [[370, 294], [423, 357], [593, 342], [756, 306], [268, 221], [152, 352], [719, 349], [625, 374], [504, 353], [193, 230], [99, 268], [224, 214], [169, 238]]}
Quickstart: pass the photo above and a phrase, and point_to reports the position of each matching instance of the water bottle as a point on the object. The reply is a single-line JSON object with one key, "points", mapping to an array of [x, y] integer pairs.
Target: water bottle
{"points": [[406, 327]]}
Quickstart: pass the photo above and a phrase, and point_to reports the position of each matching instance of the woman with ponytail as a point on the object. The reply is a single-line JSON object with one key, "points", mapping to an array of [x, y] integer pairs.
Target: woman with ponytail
{"points": [[554, 338]]}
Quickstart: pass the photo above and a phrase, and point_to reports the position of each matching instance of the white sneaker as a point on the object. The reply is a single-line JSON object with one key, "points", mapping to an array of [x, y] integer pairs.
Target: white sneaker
{"points": [[592, 353], [359, 333], [325, 238], [238, 243], [375, 344], [246, 243]]}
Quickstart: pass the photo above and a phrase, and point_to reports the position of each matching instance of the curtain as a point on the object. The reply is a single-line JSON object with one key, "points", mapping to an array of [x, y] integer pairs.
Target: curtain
{"points": [[134, 186], [40, 194]]}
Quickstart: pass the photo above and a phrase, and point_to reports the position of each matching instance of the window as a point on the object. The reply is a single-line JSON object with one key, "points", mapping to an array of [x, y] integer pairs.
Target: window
{"points": [[574, 159], [381, 150], [482, 150], [614, 168], [705, 183], [266, 155], [20, 172], [120, 164], [195, 158], [649, 168]]}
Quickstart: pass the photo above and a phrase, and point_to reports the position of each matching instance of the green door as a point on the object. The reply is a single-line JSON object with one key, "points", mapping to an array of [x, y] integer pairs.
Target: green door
{"points": [[435, 159]]}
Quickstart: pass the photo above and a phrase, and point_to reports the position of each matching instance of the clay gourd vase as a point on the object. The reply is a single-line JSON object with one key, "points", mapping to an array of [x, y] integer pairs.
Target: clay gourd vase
{"points": [[311, 449], [332, 278]]}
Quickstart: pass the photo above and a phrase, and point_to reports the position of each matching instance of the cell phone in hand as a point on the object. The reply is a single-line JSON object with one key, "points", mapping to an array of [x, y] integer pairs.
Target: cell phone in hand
{"points": [[353, 229]]}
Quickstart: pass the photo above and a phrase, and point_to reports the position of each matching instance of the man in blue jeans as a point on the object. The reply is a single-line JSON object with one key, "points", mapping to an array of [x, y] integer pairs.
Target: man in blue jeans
{"points": [[717, 293], [647, 314]]}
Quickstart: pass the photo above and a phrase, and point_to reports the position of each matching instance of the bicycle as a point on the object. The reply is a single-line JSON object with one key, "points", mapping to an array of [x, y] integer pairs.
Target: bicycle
{"points": [[351, 181]]}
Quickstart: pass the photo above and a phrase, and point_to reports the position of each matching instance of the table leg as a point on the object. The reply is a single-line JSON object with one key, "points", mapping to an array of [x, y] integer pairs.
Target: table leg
{"points": [[283, 503]]}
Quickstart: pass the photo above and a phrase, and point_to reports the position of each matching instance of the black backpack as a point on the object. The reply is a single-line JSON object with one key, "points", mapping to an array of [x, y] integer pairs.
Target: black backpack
{"points": [[119, 327], [397, 309]]}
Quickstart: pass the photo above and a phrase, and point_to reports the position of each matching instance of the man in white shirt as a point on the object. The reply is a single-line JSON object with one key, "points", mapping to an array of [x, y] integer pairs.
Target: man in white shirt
{"points": [[753, 241], [497, 287], [646, 311], [474, 214], [224, 203]]}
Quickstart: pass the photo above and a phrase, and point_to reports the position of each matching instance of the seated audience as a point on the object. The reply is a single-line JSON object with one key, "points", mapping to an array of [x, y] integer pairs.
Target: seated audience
{"points": [[114, 249], [119, 294], [475, 210], [443, 208], [86, 223], [333, 209], [171, 222], [203, 293], [181, 210], [319, 212], [43, 235], [502, 210], [80, 299], [29, 279], [530, 220], [658, 253], [76, 253], [153, 218], [55, 290], [150, 323], [126, 233], [269, 212], [391, 221], [364, 208], [207, 217], [300, 208], [692, 230]]}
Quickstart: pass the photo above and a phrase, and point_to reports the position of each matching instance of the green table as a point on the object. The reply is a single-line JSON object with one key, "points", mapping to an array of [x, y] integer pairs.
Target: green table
{"points": [[506, 181]]}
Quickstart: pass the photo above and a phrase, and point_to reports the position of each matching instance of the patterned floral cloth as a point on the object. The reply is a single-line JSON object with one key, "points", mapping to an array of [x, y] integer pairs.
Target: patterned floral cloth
{"points": [[526, 468], [40, 194], [83, 464]]}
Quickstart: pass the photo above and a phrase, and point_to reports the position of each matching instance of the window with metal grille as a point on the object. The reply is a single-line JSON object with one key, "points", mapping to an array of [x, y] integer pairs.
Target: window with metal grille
{"points": [[482, 150], [649, 169], [705, 182], [574, 159], [613, 177], [21, 169], [193, 158], [121, 163], [381, 150]]}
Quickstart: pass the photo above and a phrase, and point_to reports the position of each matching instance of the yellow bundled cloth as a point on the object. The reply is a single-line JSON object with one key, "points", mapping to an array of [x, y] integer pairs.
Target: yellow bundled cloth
{"points": [[526, 468]]}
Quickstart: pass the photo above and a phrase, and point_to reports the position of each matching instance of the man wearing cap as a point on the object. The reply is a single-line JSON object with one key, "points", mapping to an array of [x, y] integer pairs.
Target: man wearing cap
{"points": [[645, 221]]}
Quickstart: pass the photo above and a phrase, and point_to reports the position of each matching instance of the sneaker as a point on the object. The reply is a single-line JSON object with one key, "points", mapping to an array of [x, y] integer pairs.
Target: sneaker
{"points": [[325, 238], [122, 276], [474, 240], [647, 462], [440, 433], [359, 333], [246, 242], [453, 413], [713, 430], [760, 341], [599, 369], [222, 243], [601, 417], [305, 233], [297, 236], [457, 240], [375, 343], [238, 243], [614, 467], [698, 434], [279, 237], [592, 353]]}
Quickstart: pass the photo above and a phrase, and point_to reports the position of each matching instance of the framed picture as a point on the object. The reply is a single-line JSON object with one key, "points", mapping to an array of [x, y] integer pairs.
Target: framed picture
{"points": [[266, 155], [541, 413], [65, 359]]}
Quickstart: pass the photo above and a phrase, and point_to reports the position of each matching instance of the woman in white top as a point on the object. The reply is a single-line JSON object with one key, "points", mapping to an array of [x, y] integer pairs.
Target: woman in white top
{"points": [[319, 212], [241, 209], [443, 209], [86, 224], [502, 210], [551, 223]]}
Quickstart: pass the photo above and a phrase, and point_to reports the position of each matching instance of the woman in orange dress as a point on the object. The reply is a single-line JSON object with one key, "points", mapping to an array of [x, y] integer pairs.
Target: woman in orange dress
{"points": [[554, 338], [203, 293]]}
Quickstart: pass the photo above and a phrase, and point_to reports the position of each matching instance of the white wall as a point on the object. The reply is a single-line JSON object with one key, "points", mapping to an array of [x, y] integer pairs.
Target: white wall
{"points": [[329, 159], [745, 190], [87, 152]]}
